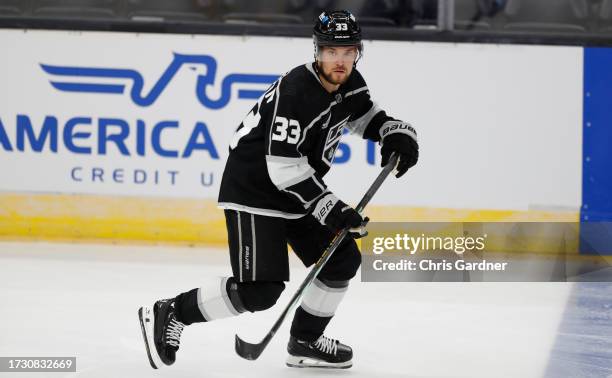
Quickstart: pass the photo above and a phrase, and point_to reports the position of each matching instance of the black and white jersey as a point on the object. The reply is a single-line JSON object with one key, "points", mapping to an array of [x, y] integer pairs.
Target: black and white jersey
{"points": [[287, 143]]}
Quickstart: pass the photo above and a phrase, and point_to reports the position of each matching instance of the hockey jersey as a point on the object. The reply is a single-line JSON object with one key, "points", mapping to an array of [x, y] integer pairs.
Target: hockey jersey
{"points": [[286, 144]]}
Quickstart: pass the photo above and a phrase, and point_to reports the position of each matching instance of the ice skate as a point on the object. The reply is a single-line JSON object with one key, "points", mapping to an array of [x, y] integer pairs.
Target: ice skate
{"points": [[321, 353], [161, 332]]}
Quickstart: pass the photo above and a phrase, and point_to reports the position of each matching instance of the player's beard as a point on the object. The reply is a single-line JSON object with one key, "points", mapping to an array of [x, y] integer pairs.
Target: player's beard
{"points": [[328, 76]]}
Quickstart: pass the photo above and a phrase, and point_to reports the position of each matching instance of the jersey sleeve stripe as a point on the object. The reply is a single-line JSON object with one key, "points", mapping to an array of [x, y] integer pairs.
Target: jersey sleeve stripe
{"points": [[286, 172], [312, 201], [319, 183], [297, 195], [351, 93], [359, 125], [308, 191], [286, 159]]}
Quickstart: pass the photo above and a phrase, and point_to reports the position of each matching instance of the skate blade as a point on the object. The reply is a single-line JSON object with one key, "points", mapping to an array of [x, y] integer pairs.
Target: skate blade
{"points": [[306, 362], [145, 315]]}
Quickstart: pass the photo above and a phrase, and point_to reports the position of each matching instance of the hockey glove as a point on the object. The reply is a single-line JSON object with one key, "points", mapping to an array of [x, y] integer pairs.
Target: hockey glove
{"points": [[337, 215], [401, 138]]}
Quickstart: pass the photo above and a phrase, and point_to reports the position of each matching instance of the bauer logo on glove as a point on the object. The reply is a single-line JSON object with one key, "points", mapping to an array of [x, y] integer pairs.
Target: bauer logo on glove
{"points": [[335, 214], [401, 138], [398, 127]]}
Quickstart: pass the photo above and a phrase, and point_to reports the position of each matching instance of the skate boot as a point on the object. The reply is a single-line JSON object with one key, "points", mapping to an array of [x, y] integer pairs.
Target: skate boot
{"points": [[321, 353], [161, 332]]}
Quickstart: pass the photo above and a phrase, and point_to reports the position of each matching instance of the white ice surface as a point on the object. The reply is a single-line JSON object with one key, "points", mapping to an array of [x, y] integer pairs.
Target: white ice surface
{"points": [[81, 300]]}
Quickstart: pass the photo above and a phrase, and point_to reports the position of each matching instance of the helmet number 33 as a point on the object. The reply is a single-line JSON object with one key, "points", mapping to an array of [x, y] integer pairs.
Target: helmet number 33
{"points": [[286, 129], [341, 27]]}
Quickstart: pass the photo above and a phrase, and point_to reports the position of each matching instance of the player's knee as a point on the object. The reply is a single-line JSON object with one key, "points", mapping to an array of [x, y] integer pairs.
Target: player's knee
{"points": [[352, 261], [344, 263], [259, 296]]}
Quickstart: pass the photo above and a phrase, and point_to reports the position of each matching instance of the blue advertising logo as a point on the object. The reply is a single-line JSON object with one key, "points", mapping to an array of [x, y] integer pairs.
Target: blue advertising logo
{"points": [[116, 81]]}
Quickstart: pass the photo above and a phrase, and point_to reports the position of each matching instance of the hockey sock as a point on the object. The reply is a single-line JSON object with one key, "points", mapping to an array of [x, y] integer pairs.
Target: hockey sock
{"points": [[216, 299], [186, 308], [318, 306]]}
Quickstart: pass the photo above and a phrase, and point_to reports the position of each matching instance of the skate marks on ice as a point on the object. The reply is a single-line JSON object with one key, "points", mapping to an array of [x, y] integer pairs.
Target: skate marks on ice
{"points": [[583, 346]]}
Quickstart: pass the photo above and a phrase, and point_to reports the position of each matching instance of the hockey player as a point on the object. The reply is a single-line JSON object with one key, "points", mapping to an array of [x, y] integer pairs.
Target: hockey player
{"points": [[273, 193]]}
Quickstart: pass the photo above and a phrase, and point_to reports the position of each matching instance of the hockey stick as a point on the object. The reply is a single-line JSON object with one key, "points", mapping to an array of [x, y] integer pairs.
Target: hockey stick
{"points": [[252, 351]]}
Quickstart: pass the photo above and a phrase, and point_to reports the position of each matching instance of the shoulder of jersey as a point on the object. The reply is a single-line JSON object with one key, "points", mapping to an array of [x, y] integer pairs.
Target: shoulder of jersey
{"points": [[298, 80], [356, 80]]}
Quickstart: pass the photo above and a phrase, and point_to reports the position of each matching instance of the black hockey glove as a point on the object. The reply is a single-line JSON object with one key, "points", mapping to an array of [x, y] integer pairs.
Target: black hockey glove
{"points": [[337, 215], [401, 138]]}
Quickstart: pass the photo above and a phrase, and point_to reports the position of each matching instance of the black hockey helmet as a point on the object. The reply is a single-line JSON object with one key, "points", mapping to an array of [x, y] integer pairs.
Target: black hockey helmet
{"points": [[337, 28]]}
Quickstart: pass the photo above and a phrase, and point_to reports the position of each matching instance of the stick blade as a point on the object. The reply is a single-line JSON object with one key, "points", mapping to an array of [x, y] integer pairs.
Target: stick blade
{"points": [[248, 351]]}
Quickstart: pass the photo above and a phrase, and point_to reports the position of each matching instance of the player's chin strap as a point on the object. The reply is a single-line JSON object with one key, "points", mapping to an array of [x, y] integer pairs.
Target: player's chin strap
{"points": [[253, 351]]}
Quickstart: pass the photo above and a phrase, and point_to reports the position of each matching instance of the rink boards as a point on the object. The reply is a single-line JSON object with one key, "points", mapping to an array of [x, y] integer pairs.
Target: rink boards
{"points": [[121, 136]]}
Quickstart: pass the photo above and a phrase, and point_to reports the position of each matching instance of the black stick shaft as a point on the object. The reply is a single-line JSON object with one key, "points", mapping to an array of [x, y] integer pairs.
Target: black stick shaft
{"points": [[252, 351]]}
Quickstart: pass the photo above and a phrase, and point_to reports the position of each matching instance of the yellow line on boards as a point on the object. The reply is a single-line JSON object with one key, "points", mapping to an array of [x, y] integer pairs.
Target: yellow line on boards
{"points": [[79, 217]]}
